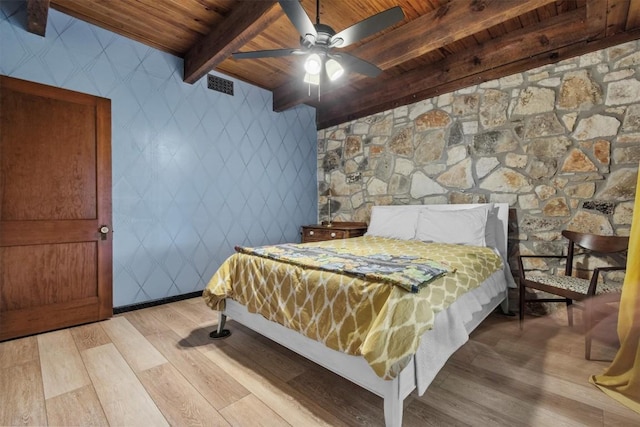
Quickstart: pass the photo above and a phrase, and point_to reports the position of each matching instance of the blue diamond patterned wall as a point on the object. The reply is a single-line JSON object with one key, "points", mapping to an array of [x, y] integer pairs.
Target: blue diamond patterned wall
{"points": [[195, 172]]}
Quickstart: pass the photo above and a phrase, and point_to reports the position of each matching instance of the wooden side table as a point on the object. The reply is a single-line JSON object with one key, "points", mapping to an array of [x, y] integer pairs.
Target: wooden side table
{"points": [[337, 230]]}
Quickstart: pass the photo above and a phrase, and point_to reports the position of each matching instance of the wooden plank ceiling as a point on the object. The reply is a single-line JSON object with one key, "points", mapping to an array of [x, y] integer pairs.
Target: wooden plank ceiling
{"points": [[440, 46]]}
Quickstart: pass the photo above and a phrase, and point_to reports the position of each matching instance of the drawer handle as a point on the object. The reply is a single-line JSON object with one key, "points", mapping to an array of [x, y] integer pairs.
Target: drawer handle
{"points": [[333, 235], [311, 233]]}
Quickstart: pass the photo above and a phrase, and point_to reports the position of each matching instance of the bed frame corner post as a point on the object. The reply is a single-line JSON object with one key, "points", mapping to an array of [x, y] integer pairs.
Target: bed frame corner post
{"points": [[221, 332], [393, 405]]}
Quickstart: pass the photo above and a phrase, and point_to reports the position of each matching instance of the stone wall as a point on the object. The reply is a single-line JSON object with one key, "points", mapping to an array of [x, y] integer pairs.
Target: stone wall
{"points": [[560, 144]]}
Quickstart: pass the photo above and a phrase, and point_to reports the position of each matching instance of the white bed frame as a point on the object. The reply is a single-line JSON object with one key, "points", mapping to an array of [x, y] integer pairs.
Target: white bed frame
{"points": [[355, 368]]}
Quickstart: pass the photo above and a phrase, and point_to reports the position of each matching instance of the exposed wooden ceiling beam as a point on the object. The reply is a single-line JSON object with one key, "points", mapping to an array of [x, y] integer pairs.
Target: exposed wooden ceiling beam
{"points": [[37, 13], [633, 18], [617, 11], [451, 22], [495, 59], [246, 21], [597, 15]]}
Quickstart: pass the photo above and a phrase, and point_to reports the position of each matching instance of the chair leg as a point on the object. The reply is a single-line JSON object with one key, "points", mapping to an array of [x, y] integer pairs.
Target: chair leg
{"points": [[587, 330], [570, 311], [521, 309]]}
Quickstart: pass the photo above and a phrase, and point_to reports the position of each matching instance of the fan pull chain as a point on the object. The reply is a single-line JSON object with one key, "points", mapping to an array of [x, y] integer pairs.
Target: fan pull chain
{"points": [[309, 91]]}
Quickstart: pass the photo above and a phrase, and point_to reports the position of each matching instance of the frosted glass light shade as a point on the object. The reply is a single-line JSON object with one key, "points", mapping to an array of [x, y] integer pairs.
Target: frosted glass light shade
{"points": [[312, 79], [313, 64], [334, 69]]}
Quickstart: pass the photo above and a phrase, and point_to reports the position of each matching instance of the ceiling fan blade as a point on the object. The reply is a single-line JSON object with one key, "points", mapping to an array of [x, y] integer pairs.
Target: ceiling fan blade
{"points": [[273, 53], [299, 18], [357, 65], [367, 27]]}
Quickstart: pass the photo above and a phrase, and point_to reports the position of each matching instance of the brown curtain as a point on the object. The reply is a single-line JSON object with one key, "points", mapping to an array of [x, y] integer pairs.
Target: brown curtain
{"points": [[621, 380]]}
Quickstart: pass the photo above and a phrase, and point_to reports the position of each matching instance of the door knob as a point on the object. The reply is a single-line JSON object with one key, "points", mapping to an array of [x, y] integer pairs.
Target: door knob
{"points": [[104, 230]]}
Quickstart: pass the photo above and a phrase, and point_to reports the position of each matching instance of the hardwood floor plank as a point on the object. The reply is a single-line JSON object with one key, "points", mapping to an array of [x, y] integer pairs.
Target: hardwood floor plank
{"points": [[177, 399], [196, 300], [193, 333], [517, 400], [61, 364], [467, 353], [279, 396], [613, 419], [133, 346], [181, 325], [79, 407], [536, 358], [271, 356], [218, 387], [301, 362], [564, 404], [581, 391], [21, 350], [252, 412], [496, 327], [347, 400], [438, 403], [199, 313], [89, 336], [123, 398], [553, 333], [22, 395], [144, 322], [199, 337]]}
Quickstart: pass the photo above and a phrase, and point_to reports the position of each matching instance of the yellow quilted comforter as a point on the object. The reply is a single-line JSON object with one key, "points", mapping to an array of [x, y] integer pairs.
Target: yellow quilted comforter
{"points": [[357, 316]]}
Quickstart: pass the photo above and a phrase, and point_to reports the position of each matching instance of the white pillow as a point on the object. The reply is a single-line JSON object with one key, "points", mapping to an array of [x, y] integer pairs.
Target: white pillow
{"points": [[466, 227], [396, 222], [493, 223]]}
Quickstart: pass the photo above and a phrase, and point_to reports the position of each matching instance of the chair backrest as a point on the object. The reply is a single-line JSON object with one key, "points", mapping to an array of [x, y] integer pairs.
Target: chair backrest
{"points": [[593, 242], [597, 243]]}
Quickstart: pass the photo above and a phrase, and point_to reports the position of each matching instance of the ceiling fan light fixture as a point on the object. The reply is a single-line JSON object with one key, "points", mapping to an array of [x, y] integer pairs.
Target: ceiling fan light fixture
{"points": [[334, 69], [312, 79], [317, 40], [313, 64]]}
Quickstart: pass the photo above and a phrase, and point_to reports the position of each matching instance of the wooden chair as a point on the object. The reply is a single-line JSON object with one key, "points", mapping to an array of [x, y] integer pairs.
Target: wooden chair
{"points": [[569, 288]]}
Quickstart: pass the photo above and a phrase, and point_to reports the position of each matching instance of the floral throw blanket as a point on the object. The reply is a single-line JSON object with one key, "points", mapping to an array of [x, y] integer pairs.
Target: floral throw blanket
{"points": [[411, 272]]}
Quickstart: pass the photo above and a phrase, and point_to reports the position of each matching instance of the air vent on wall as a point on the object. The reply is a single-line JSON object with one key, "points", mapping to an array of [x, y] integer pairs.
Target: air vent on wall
{"points": [[220, 84]]}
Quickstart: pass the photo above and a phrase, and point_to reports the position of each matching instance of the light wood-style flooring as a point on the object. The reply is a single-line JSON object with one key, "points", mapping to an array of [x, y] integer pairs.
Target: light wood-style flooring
{"points": [[157, 366]]}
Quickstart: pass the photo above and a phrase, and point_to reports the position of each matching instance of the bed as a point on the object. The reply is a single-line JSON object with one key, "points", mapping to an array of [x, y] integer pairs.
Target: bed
{"points": [[388, 359]]}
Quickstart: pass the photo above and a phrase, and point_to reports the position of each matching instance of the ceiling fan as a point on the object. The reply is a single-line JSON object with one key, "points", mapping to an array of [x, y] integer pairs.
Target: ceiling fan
{"points": [[318, 42]]}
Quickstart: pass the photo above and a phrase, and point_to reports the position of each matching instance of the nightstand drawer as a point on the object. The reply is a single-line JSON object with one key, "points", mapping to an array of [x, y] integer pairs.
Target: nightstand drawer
{"points": [[319, 234], [338, 230]]}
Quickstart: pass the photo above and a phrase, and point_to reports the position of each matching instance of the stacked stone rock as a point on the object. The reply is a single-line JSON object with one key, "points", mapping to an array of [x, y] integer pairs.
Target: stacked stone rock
{"points": [[560, 144]]}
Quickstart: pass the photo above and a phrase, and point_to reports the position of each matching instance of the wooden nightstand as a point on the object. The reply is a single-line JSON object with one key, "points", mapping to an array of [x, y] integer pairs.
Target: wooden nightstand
{"points": [[338, 230]]}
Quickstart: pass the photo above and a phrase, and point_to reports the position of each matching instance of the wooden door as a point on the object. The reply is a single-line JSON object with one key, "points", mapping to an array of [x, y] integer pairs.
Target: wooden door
{"points": [[55, 196]]}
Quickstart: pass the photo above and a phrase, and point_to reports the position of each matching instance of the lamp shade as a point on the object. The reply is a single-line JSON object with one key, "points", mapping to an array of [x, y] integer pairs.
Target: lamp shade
{"points": [[312, 79], [313, 64], [334, 69]]}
